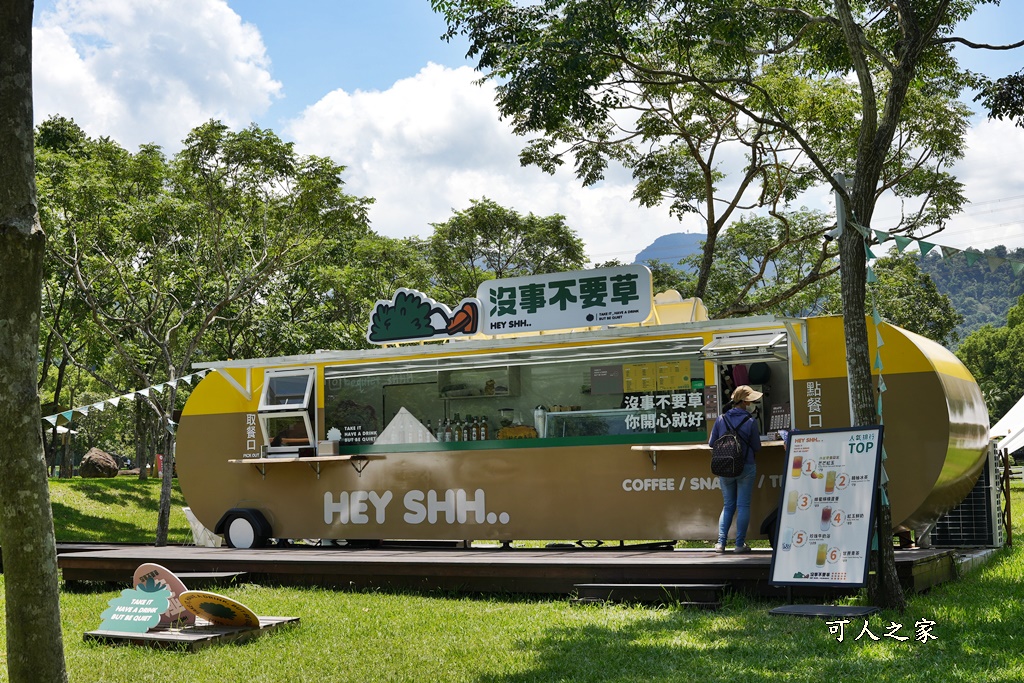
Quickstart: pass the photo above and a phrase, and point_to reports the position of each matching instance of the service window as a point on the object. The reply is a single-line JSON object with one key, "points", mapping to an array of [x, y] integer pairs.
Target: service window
{"points": [[287, 411], [636, 392]]}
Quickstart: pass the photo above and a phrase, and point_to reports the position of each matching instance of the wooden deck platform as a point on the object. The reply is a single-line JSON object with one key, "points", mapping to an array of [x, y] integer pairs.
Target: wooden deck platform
{"points": [[552, 571]]}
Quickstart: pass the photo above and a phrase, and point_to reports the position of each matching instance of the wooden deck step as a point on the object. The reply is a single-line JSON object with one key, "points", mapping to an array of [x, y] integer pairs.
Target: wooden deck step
{"points": [[699, 595]]}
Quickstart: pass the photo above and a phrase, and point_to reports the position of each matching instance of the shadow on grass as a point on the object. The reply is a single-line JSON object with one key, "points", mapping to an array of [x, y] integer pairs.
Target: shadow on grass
{"points": [[120, 491], [976, 629], [71, 524], [119, 510]]}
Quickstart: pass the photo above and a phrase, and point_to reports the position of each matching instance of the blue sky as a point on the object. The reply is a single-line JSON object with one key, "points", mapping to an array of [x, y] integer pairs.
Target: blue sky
{"points": [[371, 84]]}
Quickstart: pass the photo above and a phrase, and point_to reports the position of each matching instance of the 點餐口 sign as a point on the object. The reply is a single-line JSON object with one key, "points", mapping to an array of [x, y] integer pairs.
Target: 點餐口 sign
{"points": [[558, 301]]}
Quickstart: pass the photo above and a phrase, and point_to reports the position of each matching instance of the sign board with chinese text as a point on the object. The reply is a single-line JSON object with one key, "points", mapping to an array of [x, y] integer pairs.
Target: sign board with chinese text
{"points": [[560, 301], [827, 510]]}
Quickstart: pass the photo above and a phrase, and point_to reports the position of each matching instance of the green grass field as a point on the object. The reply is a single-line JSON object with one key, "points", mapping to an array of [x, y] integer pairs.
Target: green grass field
{"points": [[381, 636]]}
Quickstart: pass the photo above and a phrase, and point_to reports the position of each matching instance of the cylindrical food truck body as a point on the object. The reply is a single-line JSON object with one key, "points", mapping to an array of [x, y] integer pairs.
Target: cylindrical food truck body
{"points": [[337, 446]]}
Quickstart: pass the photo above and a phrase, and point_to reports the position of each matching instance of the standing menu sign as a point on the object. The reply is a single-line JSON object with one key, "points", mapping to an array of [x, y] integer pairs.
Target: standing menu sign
{"points": [[827, 511]]}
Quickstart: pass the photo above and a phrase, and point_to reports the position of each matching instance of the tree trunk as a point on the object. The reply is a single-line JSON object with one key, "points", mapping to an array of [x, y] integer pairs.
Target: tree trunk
{"points": [[35, 647], [884, 589], [142, 439], [163, 521]]}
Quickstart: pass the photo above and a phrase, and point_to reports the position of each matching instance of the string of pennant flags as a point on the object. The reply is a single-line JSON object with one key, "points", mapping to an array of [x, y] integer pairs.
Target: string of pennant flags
{"points": [[68, 415], [903, 242]]}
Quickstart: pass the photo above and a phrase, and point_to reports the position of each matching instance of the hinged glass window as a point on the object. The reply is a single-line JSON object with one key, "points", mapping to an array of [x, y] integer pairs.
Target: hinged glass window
{"points": [[287, 411], [741, 347], [287, 389]]}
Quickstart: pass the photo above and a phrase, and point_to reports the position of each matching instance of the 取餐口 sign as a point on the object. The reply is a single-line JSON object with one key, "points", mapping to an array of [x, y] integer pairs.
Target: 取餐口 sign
{"points": [[559, 301]]}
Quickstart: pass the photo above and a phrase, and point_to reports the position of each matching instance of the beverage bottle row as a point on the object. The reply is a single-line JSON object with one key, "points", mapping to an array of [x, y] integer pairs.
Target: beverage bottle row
{"points": [[457, 429]]}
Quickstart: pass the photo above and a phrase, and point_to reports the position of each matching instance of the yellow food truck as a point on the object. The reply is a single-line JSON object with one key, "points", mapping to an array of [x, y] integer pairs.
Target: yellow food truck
{"points": [[541, 409]]}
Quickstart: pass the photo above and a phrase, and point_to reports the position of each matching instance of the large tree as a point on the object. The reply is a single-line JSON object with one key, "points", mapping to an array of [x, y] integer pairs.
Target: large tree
{"points": [[993, 354], [35, 647], [758, 57], [160, 251], [488, 240]]}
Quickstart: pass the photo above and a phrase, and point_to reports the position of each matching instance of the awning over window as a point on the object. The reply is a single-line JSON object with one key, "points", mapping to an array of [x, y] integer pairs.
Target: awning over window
{"points": [[743, 347]]}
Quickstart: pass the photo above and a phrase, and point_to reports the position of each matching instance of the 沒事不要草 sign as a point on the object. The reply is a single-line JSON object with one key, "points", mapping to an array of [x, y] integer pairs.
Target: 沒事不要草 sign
{"points": [[558, 301]]}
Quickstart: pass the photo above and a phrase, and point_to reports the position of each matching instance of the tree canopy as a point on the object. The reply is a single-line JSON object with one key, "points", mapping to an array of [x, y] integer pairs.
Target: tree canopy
{"points": [[489, 241], [993, 354]]}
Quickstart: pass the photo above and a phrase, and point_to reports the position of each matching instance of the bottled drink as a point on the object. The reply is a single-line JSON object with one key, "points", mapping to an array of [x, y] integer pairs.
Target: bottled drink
{"points": [[483, 434], [448, 431], [474, 430]]}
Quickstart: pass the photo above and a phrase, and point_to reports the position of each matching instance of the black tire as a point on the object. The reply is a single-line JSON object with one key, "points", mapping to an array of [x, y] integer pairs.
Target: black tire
{"points": [[244, 528]]}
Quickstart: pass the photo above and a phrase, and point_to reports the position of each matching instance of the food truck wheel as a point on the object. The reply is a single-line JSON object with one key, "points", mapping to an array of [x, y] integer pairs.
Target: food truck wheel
{"points": [[244, 528]]}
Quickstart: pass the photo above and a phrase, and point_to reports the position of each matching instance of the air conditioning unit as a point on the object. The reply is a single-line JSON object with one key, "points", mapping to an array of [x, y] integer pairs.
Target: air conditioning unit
{"points": [[976, 521]]}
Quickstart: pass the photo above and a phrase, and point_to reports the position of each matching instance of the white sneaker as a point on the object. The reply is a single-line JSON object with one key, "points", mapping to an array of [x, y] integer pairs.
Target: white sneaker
{"points": [[719, 547]]}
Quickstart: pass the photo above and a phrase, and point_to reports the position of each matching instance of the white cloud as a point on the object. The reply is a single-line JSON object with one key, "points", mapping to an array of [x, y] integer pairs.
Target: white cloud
{"points": [[993, 179], [431, 143], [149, 71]]}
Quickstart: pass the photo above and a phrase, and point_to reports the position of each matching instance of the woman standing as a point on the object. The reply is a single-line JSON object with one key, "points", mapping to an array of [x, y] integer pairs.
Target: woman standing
{"points": [[737, 491]]}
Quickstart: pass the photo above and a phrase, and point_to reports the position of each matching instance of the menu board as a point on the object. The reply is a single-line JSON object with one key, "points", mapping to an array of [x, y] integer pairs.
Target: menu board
{"points": [[827, 512], [639, 377]]}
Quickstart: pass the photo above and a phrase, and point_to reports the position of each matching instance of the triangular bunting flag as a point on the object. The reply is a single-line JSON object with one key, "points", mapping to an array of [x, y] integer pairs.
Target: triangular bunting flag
{"points": [[187, 379], [173, 383], [885, 456], [99, 406], [867, 251], [878, 409], [994, 262], [881, 236], [876, 316], [883, 478], [1017, 266], [143, 392], [972, 256], [949, 251], [872, 278], [925, 246], [84, 410], [114, 401], [52, 419], [202, 373], [878, 338], [878, 360], [881, 384], [158, 388], [902, 242], [67, 414], [128, 397]]}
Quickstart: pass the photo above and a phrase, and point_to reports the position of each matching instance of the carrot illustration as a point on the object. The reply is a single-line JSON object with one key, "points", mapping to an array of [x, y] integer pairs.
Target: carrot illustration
{"points": [[465, 319]]}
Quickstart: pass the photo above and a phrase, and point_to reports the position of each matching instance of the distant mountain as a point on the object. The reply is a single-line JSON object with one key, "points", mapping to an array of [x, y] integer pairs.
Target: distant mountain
{"points": [[672, 247], [982, 295]]}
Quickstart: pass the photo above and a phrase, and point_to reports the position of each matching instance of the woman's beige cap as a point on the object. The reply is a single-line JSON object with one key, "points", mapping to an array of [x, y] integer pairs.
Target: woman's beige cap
{"points": [[745, 393]]}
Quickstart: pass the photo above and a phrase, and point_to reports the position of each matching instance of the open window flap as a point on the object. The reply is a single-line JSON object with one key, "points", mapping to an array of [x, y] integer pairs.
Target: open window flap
{"points": [[743, 347]]}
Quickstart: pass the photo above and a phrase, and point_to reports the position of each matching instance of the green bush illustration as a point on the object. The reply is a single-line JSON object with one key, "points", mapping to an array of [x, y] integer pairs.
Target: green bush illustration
{"points": [[407, 318]]}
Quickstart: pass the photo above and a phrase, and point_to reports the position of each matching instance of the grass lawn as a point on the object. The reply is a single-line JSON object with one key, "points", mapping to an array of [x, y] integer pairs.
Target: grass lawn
{"points": [[381, 636], [118, 510]]}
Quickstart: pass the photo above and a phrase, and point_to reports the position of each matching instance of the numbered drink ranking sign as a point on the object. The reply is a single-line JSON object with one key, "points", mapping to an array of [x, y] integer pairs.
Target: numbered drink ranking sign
{"points": [[827, 511]]}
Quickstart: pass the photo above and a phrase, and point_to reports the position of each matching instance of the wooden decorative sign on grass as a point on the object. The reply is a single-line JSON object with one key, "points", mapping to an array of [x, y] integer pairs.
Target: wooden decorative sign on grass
{"points": [[160, 612]]}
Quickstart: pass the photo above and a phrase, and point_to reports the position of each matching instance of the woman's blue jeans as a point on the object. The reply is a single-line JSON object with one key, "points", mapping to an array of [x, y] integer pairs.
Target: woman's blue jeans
{"points": [[736, 495]]}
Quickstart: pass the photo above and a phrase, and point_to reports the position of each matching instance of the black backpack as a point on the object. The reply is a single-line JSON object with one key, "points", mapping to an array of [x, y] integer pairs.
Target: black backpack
{"points": [[727, 453]]}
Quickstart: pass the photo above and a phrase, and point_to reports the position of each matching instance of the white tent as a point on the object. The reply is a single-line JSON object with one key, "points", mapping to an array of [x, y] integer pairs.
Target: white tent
{"points": [[1010, 428]]}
